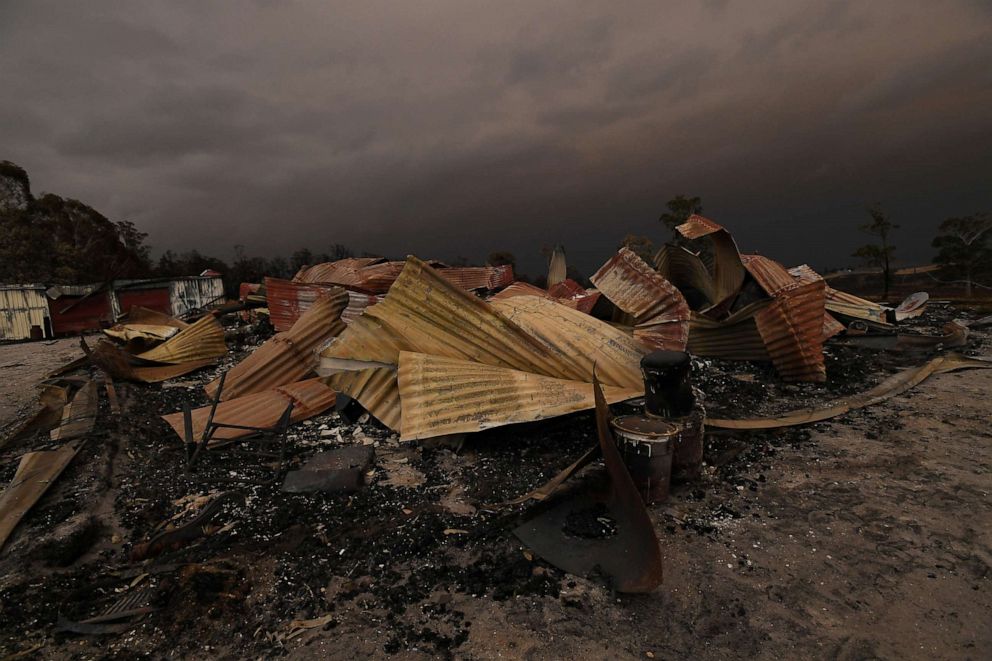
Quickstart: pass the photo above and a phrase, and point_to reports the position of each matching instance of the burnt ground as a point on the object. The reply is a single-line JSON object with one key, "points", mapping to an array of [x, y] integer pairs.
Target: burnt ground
{"points": [[866, 536]]}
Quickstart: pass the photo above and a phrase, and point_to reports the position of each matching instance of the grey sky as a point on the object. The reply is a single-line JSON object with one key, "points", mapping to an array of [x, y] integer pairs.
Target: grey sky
{"points": [[451, 128]]}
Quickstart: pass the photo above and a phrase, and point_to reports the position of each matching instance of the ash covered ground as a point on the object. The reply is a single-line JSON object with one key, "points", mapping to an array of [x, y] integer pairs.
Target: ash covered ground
{"points": [[421, 562]]}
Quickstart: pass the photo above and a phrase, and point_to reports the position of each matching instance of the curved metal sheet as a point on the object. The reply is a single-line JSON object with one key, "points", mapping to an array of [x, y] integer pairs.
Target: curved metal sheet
{"points": [[578, 340], [202, 340], [288, 356], [792, 329], [262, 409], [448, 396], [661, 314], [726, 268], [375, 389]]}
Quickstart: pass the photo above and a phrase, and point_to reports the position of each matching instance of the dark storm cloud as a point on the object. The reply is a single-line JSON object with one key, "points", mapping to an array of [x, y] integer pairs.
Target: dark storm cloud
{"points": [[452, 129]]}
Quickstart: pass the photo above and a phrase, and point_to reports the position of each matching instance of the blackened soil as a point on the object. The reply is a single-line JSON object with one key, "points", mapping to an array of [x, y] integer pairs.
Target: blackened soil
{"points": [[392, 561]]}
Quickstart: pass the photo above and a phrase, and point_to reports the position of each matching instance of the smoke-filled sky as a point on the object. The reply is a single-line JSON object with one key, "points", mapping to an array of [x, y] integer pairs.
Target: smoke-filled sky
{"points": [[450, 128]]}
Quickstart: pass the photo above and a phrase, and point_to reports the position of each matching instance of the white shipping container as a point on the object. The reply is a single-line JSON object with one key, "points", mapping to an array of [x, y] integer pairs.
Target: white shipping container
{"points": [[21, 307]]}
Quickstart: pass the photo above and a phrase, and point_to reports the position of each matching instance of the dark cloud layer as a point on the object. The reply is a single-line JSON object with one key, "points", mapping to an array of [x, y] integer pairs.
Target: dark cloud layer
{"points": [[449, 129]]}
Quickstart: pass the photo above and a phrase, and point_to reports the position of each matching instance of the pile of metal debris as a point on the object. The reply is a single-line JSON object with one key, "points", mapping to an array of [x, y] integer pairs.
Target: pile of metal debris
{"points": [[434, 353]]}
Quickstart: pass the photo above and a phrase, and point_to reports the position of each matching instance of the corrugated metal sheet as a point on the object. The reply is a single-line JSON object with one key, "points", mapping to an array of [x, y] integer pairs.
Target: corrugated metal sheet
{"points": [[203, 340], [376, 276], [128, 332], [426, 314], [557, 267], [686, 271], [118, 364], [438, 318], [849, 305], [187, 294], [374, 388], [289, 356], [140, 315], [805, 273], [739, 340], [365, 340], [579, 341], [340, 272], [772, 276], [36, 472], [447, 396], [661, 314], [263, 409], [568, 293], [79, 416], [478, 277], [357, 303], [792, 329], [287, 300], [21, 307], [726, 267]]}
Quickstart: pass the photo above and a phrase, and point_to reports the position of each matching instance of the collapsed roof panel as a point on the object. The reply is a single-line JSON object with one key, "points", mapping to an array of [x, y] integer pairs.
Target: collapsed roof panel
{"points": [[792, 329], [289, 356], [203, 340], [578, 340], [261, 409], [725, 263], [374, 388], [661, 314], [449, 396]]}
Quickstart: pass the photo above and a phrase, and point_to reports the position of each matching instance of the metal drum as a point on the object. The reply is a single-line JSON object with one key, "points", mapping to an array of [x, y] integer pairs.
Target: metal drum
{"points": [[647, 445]]}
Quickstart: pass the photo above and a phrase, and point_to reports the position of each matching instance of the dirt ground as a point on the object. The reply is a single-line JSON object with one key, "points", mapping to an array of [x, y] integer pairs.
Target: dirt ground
{"points": [[23, 364], [869, 536]]}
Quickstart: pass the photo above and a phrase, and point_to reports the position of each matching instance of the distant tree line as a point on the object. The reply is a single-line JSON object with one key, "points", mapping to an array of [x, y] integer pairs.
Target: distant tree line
{"points": [[50, 239]]}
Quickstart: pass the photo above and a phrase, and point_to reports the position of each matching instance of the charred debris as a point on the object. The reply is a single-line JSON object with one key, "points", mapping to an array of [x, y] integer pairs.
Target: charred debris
{"points": [[392, 432]]}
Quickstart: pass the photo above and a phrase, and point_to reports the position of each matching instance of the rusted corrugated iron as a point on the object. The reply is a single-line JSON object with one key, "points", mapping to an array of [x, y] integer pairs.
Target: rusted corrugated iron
{"points": [[375, 389], [366, 342], [792, 329], [448, 396], [737, 339], [35, 474], [203, 340], [79, 416], [376, 276], [438, 318], [578, 340], [686, 271], [568, 293], [261, 410], [478, 277], [340, 272], [557, 267], [805, 274], [287, 300], [121, 365], [725, 262], [424, 313], [772, 276], [289, 356], [842, 303], [661, 314]]}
